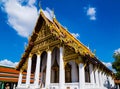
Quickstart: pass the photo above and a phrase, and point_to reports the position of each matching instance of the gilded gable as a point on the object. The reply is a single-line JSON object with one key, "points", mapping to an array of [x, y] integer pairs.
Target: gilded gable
{"points": [[44, 31], [44, 39]]}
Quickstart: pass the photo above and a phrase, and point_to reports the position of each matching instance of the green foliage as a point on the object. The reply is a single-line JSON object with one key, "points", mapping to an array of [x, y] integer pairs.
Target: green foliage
{"points": [[116, 64]]}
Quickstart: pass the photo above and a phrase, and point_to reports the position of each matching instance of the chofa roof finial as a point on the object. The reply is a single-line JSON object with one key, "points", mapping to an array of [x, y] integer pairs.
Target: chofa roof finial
{"points": [[53, 14], [40, 6]]}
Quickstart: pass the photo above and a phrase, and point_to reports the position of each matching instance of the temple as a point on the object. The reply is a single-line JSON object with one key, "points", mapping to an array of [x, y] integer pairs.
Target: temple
{"points": [[55, 59]]}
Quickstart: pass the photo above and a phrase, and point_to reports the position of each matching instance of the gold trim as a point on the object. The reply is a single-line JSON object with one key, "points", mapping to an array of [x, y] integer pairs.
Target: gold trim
{"points": [[38, 52], [70, 57], [30, 55]]}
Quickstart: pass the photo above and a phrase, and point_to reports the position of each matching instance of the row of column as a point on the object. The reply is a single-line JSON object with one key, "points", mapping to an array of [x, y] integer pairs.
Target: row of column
{"points": [[96, 76], [48, 71], [36, 80]]}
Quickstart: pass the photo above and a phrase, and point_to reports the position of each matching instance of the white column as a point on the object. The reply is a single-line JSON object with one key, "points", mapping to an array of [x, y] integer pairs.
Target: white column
{"points": [[20, 79], [28, 71], [62, 70], [101, 83], [97, 77], [37, 71], [103, 78], [91, 73], [48, 71], [14, 87], [113, 81], [118, 86], [81, 76], [110, 80]]}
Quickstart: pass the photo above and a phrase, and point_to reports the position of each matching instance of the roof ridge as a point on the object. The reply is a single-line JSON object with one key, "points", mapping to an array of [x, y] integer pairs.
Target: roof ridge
{"points": [[73, 38]]}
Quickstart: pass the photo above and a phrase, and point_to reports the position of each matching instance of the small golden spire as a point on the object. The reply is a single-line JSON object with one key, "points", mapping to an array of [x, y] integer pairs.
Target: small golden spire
{"points": [[94, 52], [40, 6], [53, 13]]}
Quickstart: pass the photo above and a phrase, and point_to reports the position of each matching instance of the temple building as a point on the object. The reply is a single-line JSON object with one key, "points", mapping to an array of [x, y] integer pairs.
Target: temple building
{"points": [[55, 59]]}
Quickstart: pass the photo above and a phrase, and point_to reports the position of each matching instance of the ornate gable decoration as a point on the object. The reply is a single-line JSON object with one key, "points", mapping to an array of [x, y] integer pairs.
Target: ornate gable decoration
{"points": [[64, 36], [49, 33], [45, 32]]}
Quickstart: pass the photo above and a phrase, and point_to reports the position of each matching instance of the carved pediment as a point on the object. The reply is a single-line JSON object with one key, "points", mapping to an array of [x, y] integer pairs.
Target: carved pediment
{"points": [[44, 31], [68, 51]]}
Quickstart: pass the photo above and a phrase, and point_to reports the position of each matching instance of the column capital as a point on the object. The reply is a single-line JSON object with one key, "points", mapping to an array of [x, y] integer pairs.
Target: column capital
{"points": [[30, 55], [21, 70], [61, 45], [85, 65], [65, 63], [38, 52], [50, 50]]}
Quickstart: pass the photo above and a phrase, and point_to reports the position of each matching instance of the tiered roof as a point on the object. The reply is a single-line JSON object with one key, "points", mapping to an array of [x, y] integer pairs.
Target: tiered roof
{"points": [[64, 36], [8, 74]]}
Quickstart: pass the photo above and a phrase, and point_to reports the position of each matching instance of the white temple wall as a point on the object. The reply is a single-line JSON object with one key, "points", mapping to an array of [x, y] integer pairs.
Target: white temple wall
{"points": [[75, 76]]}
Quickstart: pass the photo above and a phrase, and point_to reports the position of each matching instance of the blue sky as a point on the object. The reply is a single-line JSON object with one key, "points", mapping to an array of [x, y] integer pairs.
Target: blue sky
{"points": [[96, 23]]}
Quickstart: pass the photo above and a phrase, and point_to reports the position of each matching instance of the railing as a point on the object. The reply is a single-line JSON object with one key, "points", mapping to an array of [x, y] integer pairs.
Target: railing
{"points": [[66, 86], [71, 86], [54, 86], [90, 85], [26, 86], [21, 86]]}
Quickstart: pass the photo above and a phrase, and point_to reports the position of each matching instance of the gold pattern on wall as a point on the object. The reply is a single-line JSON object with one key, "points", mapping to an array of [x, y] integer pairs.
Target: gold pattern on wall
{"points": [[44, 31], [68, 51], [24, 67], [44, 40]]}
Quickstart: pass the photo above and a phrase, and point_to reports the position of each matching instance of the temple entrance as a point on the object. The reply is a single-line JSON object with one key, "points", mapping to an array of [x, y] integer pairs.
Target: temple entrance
{"points": [[43, 69], [68, 73], [87, 73], [55, 66], [71, 72]]}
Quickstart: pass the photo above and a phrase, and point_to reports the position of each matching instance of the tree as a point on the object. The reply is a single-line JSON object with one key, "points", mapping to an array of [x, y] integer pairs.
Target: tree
{"points": [[116, 63]]}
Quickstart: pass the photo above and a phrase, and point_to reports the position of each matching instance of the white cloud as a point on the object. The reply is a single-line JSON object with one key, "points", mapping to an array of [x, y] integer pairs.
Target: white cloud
{"points": [[31, 2], [76, 35], [108, 64], [49, 13], [22, 18], [91, 12], [117, 51], [8, 63]]}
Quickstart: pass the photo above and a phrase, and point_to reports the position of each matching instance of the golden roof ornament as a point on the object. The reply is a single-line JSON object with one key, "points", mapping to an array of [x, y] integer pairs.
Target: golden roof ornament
{"points": [[40, 6], [53, 15]]}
